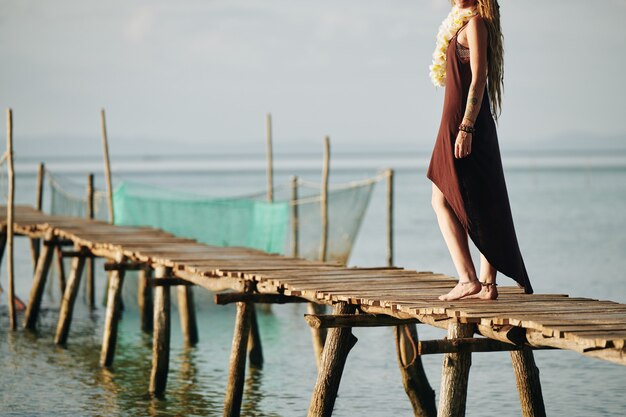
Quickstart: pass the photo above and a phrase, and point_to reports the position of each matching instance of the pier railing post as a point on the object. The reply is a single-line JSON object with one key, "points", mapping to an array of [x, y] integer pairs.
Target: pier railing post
{"points": [[528, 383], [237, 372], [456, 366], [39, 281], [69, 298], [414, 378], [113, 313], [160, 335], [338, 343]]}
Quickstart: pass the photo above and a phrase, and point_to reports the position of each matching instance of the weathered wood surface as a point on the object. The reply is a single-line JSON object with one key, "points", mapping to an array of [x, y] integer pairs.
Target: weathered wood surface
{"points": [[591, 327]]}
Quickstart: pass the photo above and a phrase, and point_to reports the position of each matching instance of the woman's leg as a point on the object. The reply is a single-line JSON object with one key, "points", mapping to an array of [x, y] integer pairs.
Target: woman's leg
{"points": [[487, 277], [456, 238]]}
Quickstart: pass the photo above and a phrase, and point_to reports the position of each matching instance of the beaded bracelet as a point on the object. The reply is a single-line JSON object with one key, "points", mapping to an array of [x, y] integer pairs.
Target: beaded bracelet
{"points": [[467, 128]]}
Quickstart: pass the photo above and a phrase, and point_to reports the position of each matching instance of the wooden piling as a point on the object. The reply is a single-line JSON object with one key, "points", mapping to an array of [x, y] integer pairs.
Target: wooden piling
{"points": [[187, 313], [414, 379], [10, 209], [107, 166], [295, 226], [237, 366], [255, 349], [39, 281], [389, 174], [528, 383], [113, 313], [144, 299], [60, 268], [35, 243], [69, 298], [455, 374], [160, 335], [318, 334], [339, 342], [91, 272]]}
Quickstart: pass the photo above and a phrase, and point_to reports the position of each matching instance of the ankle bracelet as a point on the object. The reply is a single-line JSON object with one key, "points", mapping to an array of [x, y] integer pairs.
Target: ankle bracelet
{"points": [[488, 284]]}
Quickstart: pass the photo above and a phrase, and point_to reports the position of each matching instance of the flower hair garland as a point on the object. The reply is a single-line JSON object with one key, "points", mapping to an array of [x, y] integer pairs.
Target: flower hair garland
{"points": [[448, 28]]}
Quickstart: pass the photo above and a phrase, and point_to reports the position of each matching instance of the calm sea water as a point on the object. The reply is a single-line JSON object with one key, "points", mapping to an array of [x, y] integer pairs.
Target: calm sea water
{"points": [[570, 217]]}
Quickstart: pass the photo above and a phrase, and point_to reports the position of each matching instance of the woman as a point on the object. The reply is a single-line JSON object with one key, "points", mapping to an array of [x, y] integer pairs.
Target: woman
{"points": [[469, 190]]}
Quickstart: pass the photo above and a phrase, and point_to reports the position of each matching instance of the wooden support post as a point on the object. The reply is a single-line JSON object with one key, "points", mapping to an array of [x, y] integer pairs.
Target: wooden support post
{"points": [[35, 243], [67, 304], [237, 366], [528, 383], [60, 268], [112, 317], [10, 207], [295, 226], [255, 349], [338, 344], [390, 175], [91, 271], [187, 313], [144, 299], [324, 201], [416, 385], [270, 158], [456, 366], [107, 166], [318, 334], [160, 335], [39, 282]]}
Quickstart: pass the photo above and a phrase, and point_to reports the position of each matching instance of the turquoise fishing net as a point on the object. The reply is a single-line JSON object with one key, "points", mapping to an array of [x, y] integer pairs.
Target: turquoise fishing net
{"points": [[215, 221], [248, 221]]}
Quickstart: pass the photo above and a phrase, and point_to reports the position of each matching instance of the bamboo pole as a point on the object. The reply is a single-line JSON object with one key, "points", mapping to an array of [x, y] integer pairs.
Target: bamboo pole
{"points": [[69, 298], [455, 374], [39, 281], [237, 366], [270, 158], [528, 383], [187, 313], [107, 166], [91, 272], [390, 191], [10, 207], [324, 201], [113, 313], [144, 299], [161, 335], [294, 218], [340, 341]]}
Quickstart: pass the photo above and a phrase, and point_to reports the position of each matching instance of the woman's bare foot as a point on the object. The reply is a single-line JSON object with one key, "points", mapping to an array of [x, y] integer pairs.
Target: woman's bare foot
{"points": [[461, 290], [489, 291]]}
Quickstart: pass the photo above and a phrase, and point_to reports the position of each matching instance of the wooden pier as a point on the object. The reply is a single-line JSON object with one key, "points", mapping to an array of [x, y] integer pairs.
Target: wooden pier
{"points": [[360, 297]]}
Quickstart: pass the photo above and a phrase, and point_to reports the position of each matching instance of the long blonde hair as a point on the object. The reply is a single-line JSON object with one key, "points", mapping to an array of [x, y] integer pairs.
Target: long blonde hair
{"points": [[489, 10]]}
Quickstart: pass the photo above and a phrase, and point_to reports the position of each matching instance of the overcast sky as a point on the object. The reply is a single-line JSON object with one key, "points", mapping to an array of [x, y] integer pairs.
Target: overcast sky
{"points": [[208, 71]]}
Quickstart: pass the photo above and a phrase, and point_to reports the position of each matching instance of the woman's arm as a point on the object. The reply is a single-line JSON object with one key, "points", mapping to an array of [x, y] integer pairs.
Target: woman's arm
{"points": [[477, 40]]}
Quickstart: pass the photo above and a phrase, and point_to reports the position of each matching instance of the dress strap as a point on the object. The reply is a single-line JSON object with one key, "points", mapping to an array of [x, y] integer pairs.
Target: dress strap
{"points": [[461, 28]]}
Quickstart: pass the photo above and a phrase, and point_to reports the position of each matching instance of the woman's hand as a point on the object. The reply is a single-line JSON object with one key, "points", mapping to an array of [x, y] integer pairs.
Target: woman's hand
{"points": [[463, 144]]}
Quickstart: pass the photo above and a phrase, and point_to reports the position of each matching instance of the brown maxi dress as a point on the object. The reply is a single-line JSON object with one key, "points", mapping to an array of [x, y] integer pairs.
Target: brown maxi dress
{"points": [[474, 185]]}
